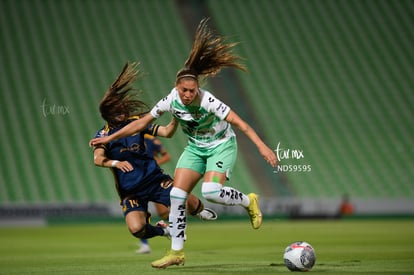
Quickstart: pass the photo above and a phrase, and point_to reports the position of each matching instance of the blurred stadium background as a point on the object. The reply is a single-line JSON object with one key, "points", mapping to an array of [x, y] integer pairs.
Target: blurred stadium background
{"points": [[329, 80]]}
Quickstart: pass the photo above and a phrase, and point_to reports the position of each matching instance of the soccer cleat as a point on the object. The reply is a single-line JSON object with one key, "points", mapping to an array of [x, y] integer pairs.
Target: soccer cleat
{"points": [[173, 257], [254, 211], [165, 227], [207, 215], [144, 249]]}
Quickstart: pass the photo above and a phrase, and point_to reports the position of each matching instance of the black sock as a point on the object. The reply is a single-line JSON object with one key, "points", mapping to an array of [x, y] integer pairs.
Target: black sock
{"points": [[149, 231]]}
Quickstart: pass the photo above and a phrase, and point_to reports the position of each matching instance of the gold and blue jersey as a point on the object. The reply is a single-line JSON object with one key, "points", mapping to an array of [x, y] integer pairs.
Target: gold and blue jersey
{"points": [[153, 145], [146, 171]]}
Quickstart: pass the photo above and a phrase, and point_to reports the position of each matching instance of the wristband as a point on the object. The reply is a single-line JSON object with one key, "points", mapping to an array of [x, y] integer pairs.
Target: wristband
{"points": [[114, 162]]}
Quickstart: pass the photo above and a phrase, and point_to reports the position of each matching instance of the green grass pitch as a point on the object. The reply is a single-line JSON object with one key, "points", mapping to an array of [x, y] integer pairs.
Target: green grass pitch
{"points": [[220, 247]]}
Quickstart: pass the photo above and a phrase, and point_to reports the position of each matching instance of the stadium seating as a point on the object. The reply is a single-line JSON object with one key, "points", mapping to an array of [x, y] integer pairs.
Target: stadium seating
{"points": [[332, 79]]}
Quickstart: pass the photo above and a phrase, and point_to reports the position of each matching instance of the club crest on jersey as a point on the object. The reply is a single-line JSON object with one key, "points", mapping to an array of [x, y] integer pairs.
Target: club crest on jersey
{"points": [[103, 133], [166, 183]]}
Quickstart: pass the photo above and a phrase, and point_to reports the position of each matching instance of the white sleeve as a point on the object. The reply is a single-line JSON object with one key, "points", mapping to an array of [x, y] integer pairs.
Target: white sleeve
{"points": [[216, 106], [164, 105]]}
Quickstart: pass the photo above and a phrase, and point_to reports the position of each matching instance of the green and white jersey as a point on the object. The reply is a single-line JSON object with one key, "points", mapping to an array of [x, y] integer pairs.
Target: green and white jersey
{"points": [[202, 121]]}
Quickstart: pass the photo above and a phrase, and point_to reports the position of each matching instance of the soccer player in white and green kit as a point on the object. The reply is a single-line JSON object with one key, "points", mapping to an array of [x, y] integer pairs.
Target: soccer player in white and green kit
{"points": [[212, 149]]}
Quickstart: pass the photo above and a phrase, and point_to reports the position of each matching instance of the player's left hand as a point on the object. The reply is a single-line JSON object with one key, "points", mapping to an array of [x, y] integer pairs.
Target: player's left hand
{"points": [[269, 155]]}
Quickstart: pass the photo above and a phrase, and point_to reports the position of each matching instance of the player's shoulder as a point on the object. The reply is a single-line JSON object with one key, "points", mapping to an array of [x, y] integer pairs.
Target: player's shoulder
{"points": [[102, 132], [163, 105], [152, 139], [149, 137], [170, 96], [209, 100], [206, 96]]}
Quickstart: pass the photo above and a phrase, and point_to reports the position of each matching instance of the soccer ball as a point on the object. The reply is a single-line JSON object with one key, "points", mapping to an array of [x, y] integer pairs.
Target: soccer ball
{"points": [[299, 256]]}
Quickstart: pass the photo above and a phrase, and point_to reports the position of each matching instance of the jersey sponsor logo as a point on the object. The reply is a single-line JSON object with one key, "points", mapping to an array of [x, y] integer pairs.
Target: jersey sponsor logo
{"points": [[189, 115], [178, 113], [133, 148], [192, 124]]}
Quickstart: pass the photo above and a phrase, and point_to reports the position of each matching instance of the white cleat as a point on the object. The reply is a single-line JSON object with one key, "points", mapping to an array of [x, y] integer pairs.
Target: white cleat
{"points": [[144, 249], [207, 215]]}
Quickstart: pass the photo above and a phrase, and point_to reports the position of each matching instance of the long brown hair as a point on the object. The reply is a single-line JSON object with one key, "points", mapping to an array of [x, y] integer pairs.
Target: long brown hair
{"points": [[121, 98], [208, 55]]}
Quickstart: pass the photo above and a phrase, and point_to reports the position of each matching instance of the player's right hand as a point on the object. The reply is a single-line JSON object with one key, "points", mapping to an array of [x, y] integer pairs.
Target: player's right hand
{"points": [[124, 166]]}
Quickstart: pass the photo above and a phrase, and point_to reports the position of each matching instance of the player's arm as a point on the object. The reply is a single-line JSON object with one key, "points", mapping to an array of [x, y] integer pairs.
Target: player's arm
{"points": [[161, 155], [267, 153], [130, 129], [168, 130], [100, 159]]}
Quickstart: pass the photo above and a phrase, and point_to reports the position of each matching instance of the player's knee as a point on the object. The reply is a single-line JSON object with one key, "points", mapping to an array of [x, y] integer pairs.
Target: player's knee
{"points": [[136, 229], [211, 191], [138, 232]]}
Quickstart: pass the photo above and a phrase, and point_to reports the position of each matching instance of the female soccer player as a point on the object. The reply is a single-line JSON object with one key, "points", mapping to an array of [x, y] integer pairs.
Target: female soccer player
{"points": [[211, 151], [138, 177], [155, 148]]}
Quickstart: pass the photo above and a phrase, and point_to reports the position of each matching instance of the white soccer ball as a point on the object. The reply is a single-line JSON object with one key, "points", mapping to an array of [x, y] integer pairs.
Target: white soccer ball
{"points": [[299, 256]]}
